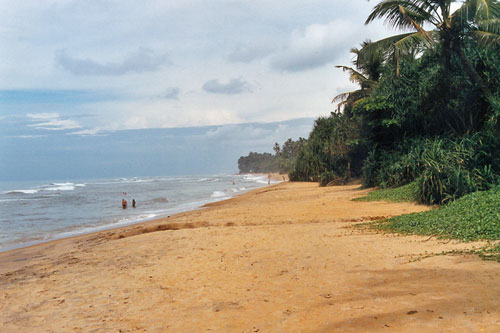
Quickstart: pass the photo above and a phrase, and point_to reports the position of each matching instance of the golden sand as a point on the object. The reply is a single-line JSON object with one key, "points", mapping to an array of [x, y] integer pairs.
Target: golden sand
{"points": [[285, 258]]}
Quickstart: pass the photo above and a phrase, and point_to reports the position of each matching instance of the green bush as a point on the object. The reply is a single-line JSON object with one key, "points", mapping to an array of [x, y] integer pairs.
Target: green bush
{"points": [[453, 169], [472, 217], [333, 150], [326, 177], [444, 169], [405, 193]]}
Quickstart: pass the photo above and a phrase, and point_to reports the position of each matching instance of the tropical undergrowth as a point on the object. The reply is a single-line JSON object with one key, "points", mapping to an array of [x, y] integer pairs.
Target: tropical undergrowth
{"points": [[475, 216], [424, 123], [414, 128], [405, 193]]}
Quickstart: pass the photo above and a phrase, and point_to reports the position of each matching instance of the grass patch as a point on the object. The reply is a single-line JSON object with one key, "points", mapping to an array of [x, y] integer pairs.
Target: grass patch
{"points": [[405, 193], [491, 253], [475, 216]]}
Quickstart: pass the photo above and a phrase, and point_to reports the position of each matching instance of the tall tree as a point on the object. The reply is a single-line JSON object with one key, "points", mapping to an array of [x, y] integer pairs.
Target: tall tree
{"points": [[367, 73], [475, 20]]}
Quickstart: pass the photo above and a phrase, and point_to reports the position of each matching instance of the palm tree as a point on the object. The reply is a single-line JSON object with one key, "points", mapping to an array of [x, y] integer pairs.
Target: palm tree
{"points": [[369, 69], [475, 20]]}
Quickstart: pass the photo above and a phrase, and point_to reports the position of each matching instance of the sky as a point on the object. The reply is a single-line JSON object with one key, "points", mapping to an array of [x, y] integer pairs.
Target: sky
{"points": [[77, 76]]}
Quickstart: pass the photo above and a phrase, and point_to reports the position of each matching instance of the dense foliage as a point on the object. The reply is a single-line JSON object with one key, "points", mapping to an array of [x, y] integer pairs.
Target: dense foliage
{"points": [[405, 193], [281, 161], [258, 162], [428, 108], [472, 217], [332, 151]]}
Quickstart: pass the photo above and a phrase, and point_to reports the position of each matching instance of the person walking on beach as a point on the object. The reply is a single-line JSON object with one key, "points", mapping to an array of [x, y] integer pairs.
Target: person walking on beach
{"points": [[269, 179], [124, 203]]}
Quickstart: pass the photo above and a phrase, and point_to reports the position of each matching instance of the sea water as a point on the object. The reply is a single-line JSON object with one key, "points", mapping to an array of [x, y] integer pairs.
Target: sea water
{"points": [[35, 212]]}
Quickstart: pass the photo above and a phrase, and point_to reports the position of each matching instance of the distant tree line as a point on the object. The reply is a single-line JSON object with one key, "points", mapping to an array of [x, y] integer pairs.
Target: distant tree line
{"points": [[281, 161]]}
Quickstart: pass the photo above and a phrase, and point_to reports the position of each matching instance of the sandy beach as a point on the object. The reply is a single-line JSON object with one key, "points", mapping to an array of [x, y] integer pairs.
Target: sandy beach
{"points": [[284, 258]]}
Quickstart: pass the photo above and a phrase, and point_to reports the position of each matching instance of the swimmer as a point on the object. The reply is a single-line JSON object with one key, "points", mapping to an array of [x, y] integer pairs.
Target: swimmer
{"points": [[124, 203]]}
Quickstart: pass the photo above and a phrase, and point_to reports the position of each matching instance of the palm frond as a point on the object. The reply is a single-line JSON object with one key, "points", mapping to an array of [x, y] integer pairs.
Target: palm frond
{"points": [[355, 76], [384, 45], [491, 25], [403, 14], [476, 10], [350, 98], [486, 39], [413, 41], [341, 98]]}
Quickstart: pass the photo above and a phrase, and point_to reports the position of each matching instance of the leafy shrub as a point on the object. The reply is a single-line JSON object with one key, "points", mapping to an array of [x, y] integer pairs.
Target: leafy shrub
{"points": [[405, 193], [326, 177], [472, 217], [453, 169], [333, 150], [444, 169]]}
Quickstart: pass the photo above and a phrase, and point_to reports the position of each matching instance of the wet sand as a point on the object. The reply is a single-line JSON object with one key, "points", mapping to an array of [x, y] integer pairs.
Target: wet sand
{"points": [[285, 258]]}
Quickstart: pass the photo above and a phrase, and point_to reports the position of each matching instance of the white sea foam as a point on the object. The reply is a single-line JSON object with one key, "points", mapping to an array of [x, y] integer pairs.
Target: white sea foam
{"points": [[218, 194], [23, 191], [120, 222], [60, 188], [202, 180], [256, 178]]}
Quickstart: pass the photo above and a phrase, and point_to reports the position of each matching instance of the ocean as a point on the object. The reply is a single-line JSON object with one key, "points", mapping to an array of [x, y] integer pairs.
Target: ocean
{"points": [[36, 212]]}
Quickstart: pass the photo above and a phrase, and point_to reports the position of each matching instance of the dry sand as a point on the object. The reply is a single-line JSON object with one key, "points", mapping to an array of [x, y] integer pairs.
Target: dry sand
{"points": [[285, 258]]}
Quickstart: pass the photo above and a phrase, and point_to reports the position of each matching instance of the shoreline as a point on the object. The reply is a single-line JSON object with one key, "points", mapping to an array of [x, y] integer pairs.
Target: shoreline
{"points": [[80, 231], [19, 253], [280, 258]]}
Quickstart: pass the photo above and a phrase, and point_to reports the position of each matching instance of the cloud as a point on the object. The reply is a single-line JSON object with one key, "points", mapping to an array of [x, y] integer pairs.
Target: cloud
{"points": [[316, 46], [171, 93], [260, 136], [249, 53], [52, 122], [235, 86], [88, 132], [28, 136], [43, 116], [140, 61], [231, 132]]}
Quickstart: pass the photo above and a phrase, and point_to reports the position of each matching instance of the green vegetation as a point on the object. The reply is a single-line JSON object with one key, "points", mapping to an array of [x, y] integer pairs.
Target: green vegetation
{"points": [[490, 253], [427, 109], [405, 193], [257, 162], [329, 153], [475, 216], [424, 124], [281, 161]]}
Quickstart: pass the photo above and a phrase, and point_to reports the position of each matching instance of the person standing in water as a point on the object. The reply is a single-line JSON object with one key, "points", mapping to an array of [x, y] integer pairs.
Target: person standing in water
{"points": [[133, 203], [124, 203]]}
